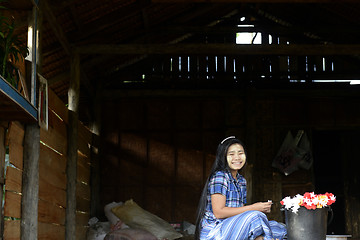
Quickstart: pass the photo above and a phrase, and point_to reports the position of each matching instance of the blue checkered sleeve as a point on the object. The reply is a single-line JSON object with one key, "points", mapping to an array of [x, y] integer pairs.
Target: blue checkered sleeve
{"points": [[218, 184]]}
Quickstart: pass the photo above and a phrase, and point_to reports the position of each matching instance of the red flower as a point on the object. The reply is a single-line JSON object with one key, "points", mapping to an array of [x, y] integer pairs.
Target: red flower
{"points": [[309, 200], [331, 198]]}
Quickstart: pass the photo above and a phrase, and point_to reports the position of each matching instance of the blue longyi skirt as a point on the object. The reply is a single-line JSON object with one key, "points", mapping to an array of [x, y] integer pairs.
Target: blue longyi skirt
{"points": [[244, 226]]}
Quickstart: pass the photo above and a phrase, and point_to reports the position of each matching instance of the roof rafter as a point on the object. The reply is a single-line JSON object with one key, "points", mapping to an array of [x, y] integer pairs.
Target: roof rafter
{"points": [[60, 34], [224, 49]]}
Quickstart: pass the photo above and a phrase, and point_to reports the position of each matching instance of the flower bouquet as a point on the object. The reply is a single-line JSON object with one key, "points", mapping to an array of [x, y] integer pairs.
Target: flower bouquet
{"points": [[309, 200], [306, 216]]}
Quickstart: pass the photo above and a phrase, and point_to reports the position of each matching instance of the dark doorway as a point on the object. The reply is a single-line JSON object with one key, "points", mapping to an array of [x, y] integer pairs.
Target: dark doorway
{"points": [[329, 173]]}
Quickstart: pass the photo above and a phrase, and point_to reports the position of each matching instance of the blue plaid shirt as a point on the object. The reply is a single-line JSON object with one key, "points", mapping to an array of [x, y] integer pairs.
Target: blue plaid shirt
{"points": [[224, 183]]}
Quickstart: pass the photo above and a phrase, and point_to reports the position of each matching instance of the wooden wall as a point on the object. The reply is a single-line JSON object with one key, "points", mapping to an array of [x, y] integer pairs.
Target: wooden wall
{"points": [[158, 150], [52, 177]]}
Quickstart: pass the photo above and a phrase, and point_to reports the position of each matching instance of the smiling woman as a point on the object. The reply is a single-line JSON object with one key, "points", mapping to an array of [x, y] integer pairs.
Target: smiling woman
{"points": [[222, 210], [236, 158]]}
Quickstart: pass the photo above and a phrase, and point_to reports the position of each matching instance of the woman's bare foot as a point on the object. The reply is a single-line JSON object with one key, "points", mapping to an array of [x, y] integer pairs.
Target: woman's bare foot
{"points": [[259, 238]]}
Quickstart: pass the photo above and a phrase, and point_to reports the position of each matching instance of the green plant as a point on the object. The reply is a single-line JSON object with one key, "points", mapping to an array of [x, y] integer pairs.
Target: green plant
{"points": [[12, 48]]}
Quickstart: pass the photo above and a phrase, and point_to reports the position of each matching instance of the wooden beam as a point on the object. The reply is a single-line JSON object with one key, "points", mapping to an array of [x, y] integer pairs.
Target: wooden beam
{"points": [[224, 49], [250, 1], [72, 152], [258, 27], [341, 93]]}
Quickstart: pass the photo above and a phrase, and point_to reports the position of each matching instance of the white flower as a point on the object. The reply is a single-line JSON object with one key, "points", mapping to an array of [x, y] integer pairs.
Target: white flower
{"points": [[292, 203], [309, 200]]}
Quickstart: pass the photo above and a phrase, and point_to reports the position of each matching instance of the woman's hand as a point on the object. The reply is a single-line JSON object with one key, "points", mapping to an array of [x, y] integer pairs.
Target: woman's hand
{"points": [[264, 207], [221, 211]]}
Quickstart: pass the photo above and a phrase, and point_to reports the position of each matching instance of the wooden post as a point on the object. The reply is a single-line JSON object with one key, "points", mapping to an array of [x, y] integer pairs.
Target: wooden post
{"points": [[72, 155], [30, 183], [30, 178]]}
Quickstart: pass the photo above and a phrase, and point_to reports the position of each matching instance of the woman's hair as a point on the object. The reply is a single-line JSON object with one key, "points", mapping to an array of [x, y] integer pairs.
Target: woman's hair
{"points": [[220, 164]]}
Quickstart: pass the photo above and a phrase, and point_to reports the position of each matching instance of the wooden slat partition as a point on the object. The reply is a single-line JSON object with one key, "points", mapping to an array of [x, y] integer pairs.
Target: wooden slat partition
{"points": [[12, 204], [12, 229], [83, 181], [51, 231], [52, 177], [3, 127], [16, 137]]}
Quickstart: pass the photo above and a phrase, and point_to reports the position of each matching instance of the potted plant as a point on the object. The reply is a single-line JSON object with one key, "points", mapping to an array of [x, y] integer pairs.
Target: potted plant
{"points": [[12, 49]]}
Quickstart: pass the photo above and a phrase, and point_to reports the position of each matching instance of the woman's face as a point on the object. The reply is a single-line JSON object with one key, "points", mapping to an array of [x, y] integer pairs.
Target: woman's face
{"points": [[236, 157]]}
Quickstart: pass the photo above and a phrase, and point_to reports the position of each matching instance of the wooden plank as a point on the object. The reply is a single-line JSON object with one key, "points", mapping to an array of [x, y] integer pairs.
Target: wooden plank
{"points": [[13, 179], [51, 231], [12, 206], [83, 190], [51, 193], [185, 197], [83, 161], [58, 106], [161, 160], [186, 158], [83, 146], [16, 155], [55, 139], [51, 213], [81, 232], [16, 133], [2, 171], [223, 49], [52, 176], [84, 133], [12, 230], [2, 153], [52, 159], [159, 201], [57, 123], [83, 173], [82, 204], [82, 218]]}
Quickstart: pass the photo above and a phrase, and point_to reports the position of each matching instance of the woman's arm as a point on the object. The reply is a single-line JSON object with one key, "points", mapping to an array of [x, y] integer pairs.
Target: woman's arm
{"points": [[221, 211]]}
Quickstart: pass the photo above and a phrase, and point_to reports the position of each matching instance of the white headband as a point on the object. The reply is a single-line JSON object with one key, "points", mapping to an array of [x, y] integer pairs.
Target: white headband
{"points": [[227, 139]]}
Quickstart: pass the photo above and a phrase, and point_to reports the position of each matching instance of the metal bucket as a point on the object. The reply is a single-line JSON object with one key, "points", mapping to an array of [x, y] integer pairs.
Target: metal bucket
{"points": [[307, 224]]}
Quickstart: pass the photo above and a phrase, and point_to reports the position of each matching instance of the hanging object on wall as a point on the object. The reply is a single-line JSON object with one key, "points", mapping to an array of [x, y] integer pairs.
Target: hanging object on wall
{"points": [[43, 103], [294, 153]]}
